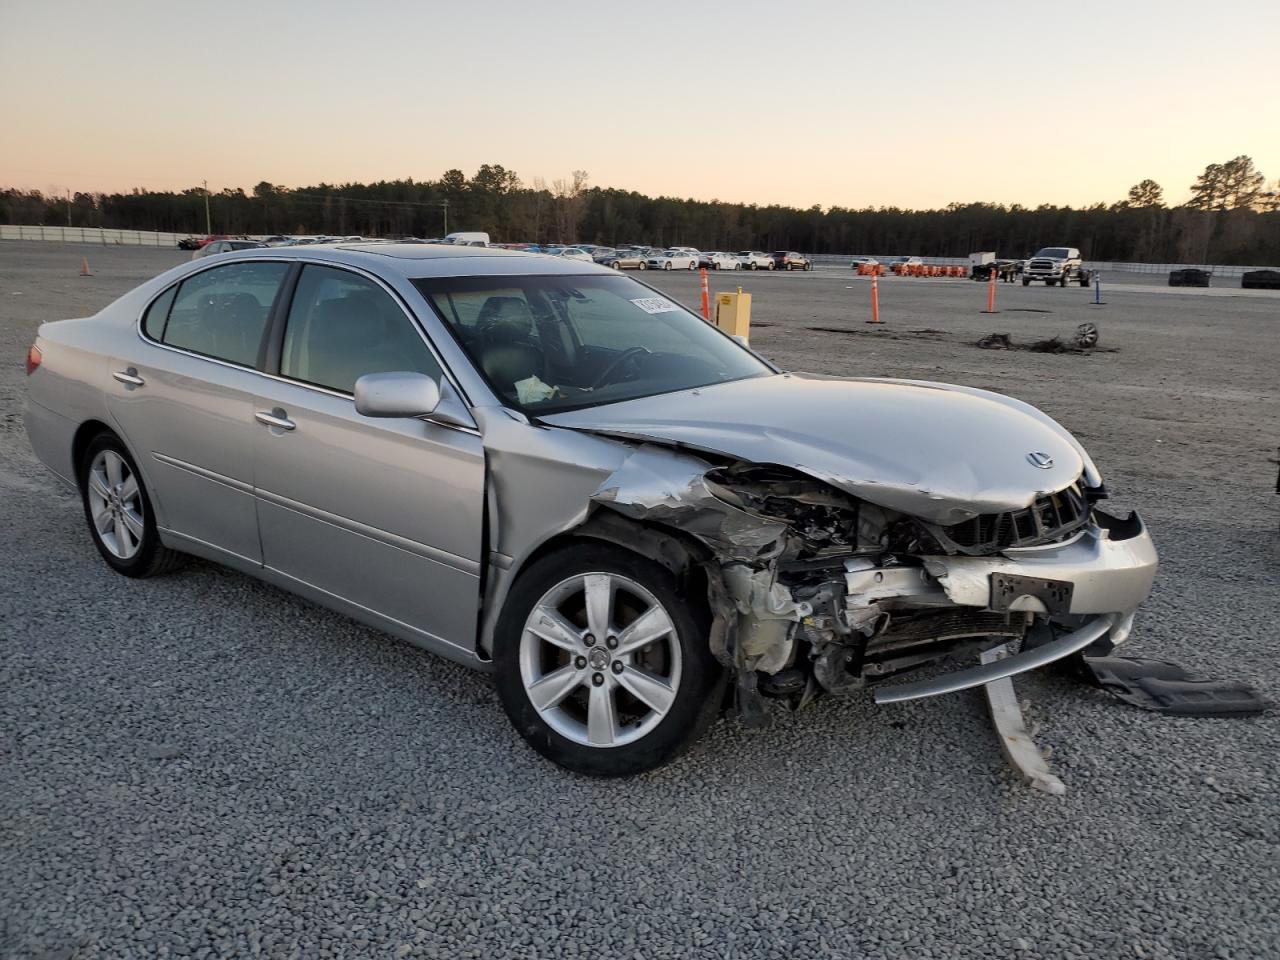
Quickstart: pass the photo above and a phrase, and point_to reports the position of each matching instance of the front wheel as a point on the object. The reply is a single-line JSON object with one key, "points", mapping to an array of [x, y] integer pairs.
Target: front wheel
{"points": [[808, 266], [119, 512], [641, 266], [1026, 282], [602, 664], [667, 265]]}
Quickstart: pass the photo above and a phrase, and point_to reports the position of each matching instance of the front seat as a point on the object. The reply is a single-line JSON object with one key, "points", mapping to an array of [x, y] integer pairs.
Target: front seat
{"points": [[507, 348]]}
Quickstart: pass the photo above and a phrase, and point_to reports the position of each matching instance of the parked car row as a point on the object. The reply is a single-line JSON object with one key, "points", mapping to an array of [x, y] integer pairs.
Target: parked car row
{"points": [[634, 257]]}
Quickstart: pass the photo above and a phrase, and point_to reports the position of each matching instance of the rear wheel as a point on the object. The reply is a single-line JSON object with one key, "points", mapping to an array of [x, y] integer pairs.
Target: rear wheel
{"points": [[601, 664], [119, 513], [641, 266], [1026, 282], [692, 265]]}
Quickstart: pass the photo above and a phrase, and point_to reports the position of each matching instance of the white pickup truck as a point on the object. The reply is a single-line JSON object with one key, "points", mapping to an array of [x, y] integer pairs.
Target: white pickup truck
{"points": [[1056, 265]]}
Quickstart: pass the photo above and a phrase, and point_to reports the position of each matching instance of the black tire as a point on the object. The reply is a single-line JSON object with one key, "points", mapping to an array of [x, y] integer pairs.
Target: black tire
{"points": [[642, 266], [808, 265], [1026, 282], [667, 265], [152, 558], [790, 265], [1084, 279], [692, 265], [701, 687]]}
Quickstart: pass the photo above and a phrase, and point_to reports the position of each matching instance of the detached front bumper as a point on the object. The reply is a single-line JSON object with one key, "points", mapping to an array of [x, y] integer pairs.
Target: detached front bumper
{"points": [[1109, 567]]}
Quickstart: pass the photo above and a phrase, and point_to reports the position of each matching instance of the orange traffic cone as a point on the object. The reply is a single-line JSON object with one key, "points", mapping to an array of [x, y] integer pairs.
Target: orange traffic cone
{"points": [[84, 267]]}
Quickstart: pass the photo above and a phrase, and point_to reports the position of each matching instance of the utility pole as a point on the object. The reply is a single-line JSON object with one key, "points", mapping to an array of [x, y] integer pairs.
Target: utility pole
{"points": [[68, 208], [208, 224], [445, 205]]}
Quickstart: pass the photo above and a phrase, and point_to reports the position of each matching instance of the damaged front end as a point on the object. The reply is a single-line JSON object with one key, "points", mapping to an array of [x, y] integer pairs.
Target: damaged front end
{"points": [[816, 590]]}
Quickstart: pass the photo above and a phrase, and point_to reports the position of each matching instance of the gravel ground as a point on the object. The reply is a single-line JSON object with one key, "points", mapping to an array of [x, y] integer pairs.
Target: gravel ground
{"points": [[201, 765]]}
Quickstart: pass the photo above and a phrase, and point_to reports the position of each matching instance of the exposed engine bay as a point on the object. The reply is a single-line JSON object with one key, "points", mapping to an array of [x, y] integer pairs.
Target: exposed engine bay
{"points": [[815, 590]]}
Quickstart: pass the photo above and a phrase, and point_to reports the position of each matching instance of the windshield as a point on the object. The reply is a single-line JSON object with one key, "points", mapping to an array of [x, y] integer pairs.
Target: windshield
{"points": [[1054, 253], [554, 343]]}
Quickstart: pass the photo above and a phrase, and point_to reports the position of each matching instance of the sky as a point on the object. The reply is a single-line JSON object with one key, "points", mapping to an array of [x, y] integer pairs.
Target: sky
{"points": [[848, 104]]}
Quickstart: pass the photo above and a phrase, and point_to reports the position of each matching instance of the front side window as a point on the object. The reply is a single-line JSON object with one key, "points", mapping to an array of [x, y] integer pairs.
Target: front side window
{"points": [[342, 325], [549, 344], [223, 312]]}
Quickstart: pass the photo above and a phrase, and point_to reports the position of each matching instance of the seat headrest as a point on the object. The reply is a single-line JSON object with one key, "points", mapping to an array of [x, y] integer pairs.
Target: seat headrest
{"points": [[508, 312]]}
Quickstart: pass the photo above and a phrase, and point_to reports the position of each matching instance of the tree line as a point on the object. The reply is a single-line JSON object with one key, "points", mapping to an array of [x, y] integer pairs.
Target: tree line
{"points": [[1231, 217]]}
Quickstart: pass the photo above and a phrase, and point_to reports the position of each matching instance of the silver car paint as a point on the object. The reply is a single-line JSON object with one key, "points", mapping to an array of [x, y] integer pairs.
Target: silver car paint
{"points": [[940, 452], [905, 446]]}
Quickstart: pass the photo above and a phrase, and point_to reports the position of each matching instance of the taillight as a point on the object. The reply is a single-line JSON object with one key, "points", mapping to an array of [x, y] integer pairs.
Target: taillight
{"points": [[33, 359]]}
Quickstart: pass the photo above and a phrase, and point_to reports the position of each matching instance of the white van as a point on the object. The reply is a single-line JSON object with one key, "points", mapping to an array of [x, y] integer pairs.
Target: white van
{"points": [[468, 239]]}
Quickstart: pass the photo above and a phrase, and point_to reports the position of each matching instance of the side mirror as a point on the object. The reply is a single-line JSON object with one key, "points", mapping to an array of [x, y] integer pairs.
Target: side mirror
{"points": [[400, 394]]}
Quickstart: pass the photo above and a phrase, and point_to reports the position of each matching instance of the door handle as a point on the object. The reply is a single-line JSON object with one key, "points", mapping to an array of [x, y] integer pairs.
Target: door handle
{"points": [[275, 418], [128, 377]]}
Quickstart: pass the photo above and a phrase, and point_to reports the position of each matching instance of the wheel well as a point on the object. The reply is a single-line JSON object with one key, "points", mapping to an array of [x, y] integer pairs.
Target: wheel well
{"points": [[80, 443], [675, 551]]}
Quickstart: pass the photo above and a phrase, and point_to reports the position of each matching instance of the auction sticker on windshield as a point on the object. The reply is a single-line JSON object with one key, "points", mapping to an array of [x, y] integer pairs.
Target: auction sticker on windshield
{"points": [[655, 304]]}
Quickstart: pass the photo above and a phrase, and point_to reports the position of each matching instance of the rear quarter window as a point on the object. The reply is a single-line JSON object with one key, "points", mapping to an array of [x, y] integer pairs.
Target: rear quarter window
{"points": [[157, 314]]}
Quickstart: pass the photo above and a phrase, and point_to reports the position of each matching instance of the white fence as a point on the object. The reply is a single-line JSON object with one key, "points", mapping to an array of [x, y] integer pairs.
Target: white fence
{"points": [[1217, 269], [106, 237]]}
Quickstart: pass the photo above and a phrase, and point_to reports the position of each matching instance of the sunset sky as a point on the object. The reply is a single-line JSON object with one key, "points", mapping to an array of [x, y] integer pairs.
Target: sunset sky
{"points": [[834, 103]]}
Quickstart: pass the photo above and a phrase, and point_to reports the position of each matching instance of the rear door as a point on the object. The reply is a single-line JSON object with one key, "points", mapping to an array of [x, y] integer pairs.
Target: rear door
{"points": [[183, 394], [384, 514]]}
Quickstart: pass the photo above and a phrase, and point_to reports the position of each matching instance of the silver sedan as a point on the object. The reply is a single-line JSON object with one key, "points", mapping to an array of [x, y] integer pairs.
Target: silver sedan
{"points": [[549, 470]]}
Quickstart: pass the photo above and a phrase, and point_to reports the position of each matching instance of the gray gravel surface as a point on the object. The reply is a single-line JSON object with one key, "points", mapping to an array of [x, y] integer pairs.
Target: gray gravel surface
{"points": [[201, 765]]}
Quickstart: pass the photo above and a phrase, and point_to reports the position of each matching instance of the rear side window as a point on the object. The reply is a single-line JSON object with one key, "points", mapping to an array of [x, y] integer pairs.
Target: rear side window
{"points": [[342, 326], [154, 319], [223, 312]]}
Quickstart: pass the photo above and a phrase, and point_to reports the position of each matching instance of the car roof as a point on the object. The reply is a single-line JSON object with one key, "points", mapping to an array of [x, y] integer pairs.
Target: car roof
{"points": [[420, 260]]}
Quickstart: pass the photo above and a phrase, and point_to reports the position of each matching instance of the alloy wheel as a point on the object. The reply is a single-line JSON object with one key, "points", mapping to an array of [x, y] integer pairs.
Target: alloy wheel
{"points": [[115, 504], [600, 660]]}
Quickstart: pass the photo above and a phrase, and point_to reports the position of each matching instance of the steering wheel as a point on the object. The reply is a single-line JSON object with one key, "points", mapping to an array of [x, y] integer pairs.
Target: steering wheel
{"points": [[628, 354]]}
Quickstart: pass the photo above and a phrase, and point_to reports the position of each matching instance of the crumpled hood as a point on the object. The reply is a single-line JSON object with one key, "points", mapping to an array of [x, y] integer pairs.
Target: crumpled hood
{"points": [[930, 450]]}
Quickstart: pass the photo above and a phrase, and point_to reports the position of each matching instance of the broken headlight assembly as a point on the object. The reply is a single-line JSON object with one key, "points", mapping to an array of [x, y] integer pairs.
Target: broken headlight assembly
{"points": [[822, 517]]}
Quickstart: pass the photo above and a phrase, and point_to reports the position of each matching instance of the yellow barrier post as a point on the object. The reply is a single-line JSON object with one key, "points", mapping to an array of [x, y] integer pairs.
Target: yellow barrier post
{"points": [[733, 313]]}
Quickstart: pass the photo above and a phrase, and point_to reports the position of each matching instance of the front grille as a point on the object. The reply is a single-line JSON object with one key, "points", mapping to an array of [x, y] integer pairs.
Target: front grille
{"points": [[1040, 265], [1052, 517]]}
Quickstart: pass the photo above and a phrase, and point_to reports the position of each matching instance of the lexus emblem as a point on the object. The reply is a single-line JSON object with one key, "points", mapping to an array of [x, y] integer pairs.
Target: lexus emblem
{"points": [[1041, 460]]}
